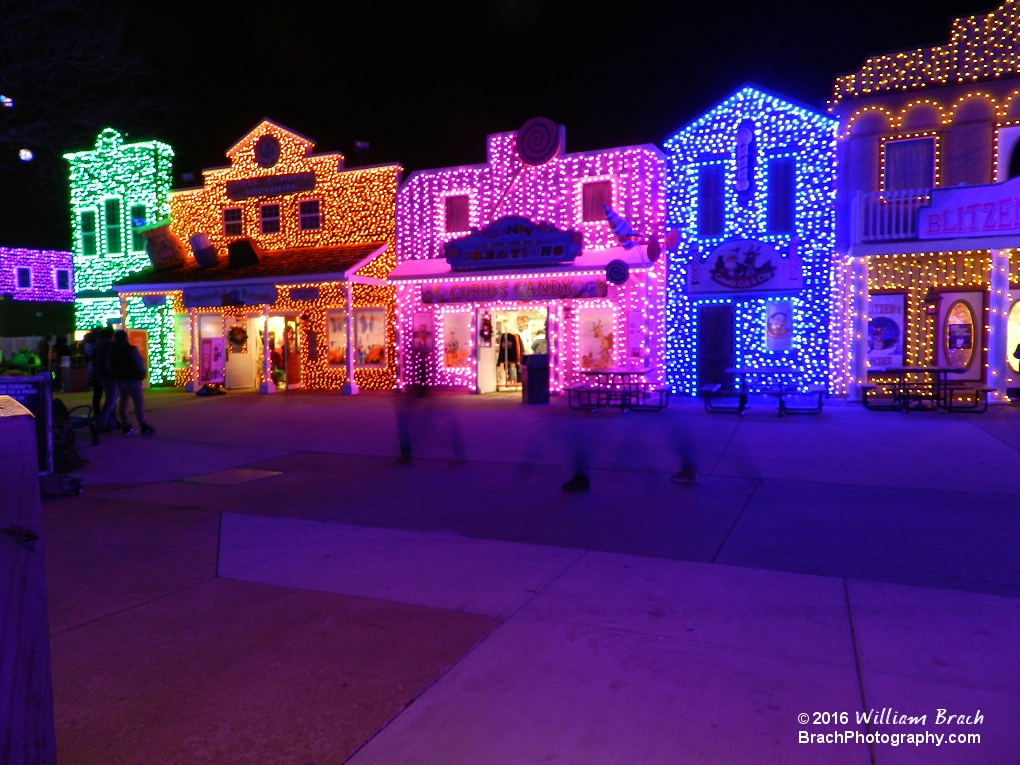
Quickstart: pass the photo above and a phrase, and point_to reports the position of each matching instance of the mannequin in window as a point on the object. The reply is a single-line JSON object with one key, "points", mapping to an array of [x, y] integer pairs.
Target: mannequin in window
{"points": [[510, 352]]}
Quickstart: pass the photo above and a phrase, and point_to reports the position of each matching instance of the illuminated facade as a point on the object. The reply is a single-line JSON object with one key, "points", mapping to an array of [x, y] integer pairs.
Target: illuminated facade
{"points": [[267, 260], [518, 257], [114, 188], [36, 292], [751, 194], [929, 151], [36, 275]]}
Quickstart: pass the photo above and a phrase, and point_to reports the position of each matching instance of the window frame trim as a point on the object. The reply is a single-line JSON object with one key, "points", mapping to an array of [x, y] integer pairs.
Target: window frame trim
{"points": [[936, 159], [301, 216], [120, 227], [579, 185], [278, 218]]}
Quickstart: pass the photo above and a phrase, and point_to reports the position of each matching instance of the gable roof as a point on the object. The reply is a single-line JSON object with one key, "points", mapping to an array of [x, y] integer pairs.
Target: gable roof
{"points": [[752, 92], [308, 142]]}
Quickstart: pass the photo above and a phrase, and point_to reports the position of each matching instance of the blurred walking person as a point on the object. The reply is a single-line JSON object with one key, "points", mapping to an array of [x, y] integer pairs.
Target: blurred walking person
{"points": [[128, 370]]}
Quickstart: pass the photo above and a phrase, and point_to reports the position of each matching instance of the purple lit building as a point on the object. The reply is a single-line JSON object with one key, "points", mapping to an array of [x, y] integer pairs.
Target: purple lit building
{"points": [[36, 292], [535, 252]]}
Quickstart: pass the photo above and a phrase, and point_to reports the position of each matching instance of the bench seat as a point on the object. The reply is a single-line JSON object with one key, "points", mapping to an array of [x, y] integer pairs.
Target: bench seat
{"points": [[974, 398], [713, 393]]}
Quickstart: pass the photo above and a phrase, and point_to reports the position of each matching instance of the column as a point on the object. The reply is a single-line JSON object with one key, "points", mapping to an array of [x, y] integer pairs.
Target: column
{"points": [[350, 388], [859, 329], [123, 312], [266, 385], [193, 385], [998, 319]]}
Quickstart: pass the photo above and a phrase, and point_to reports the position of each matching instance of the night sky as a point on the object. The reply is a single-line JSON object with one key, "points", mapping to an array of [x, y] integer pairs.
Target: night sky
{"points": [[424, 82]]}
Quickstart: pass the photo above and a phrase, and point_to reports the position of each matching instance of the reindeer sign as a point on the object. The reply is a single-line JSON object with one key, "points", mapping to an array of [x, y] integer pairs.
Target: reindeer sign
{"points": [[745, 265]]}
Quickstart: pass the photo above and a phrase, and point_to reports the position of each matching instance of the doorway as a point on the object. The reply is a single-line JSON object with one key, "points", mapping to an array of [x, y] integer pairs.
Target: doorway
{"points": [[506, 337], [284, 352], [715, 343], [241, 357]]}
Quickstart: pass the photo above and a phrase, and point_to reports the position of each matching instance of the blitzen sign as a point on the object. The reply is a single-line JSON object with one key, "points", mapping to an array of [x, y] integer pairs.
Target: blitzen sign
{"points": [[969, 211]]}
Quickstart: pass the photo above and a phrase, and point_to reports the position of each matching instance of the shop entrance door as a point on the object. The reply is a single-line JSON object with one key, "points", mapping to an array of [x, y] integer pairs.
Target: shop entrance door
{"points": [[715, 343], [284, 355], [516, 334], [240, 359]]}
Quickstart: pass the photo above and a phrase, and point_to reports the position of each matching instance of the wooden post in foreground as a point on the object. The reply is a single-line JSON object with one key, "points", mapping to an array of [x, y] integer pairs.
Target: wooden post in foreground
{"points": [[26, 692]]}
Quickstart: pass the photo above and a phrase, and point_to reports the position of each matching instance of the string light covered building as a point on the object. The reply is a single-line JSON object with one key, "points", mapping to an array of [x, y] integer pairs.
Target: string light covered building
{"points": [[535, 252], [928, 220], [114, 189], [274, 270], [36, 292], [750, 189]]}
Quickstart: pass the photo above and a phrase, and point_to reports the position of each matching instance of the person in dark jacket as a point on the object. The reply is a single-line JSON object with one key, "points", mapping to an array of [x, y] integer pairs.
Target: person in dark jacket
{"points": [[103, 376], [128, 370]]}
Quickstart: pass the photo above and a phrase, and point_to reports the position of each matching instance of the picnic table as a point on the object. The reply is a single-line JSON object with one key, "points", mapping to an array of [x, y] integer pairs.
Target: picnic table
{"points": [[624, 387], [924, 386], [780, 384]]}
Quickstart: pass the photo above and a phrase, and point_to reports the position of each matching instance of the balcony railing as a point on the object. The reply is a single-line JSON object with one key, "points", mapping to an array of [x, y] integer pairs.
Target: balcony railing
{"points": [[890, 216]]}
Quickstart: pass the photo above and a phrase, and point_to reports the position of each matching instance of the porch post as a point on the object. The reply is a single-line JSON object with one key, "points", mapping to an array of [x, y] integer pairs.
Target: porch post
{"points": [[192, 384], [350, 388], [123, 311], [859, 335], [998, 320]]}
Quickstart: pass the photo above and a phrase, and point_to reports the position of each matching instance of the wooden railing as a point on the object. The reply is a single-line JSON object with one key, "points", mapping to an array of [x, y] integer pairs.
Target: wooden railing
{"points": [[889, 216]]}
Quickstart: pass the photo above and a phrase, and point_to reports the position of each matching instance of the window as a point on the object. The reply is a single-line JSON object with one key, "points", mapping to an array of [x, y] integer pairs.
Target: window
{"points": [[114, 243], [137, 219], [458, 213], [232, 225], [1014, 161], [269, 218], [309, 214], [63, 279], [711, 201], [782, 182], [910, 164], [24, 279], [88, 233], [594, 195]]}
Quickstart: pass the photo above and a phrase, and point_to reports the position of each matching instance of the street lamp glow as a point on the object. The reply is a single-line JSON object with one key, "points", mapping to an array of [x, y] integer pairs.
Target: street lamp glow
{"points": [[26, 155]]}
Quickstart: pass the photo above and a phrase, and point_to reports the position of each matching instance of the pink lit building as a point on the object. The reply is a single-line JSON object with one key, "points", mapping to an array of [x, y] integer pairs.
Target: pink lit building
{"points": [[36, 275], [534, 252]]}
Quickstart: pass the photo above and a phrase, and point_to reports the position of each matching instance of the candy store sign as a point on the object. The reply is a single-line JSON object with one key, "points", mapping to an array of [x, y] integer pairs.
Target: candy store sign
{"points": [[514, 289]]}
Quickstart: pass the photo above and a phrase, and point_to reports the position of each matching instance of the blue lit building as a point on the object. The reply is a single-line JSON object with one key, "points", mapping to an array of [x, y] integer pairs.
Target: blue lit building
{"points": [[750, 189]]}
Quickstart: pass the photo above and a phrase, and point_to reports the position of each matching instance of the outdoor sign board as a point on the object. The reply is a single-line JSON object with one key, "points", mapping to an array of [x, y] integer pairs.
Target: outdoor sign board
{"points": [[969, 211], [745, 265], [513, 242], [535, 288], [33, 393], [212, 360], [270, 186], [214, 297]]}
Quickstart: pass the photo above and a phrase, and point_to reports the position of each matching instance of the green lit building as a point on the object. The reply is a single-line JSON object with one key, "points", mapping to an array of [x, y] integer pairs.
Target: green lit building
{"points": [[115, 188]]}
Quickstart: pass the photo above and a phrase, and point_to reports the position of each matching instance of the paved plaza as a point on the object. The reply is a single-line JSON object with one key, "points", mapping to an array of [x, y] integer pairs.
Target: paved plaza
{"points": [[261, 582]]}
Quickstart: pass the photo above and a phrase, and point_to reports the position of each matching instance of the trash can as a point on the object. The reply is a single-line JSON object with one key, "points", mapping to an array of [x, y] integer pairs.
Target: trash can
{"points": [[535, 379]]}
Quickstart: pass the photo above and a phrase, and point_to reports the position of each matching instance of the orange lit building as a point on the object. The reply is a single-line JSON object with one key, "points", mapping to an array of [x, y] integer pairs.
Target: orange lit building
{"points": [[927, 223], [267, 261]]}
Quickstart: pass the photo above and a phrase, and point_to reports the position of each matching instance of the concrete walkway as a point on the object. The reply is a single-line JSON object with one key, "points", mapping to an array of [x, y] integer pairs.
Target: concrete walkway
{"points": [[845, 562]]}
